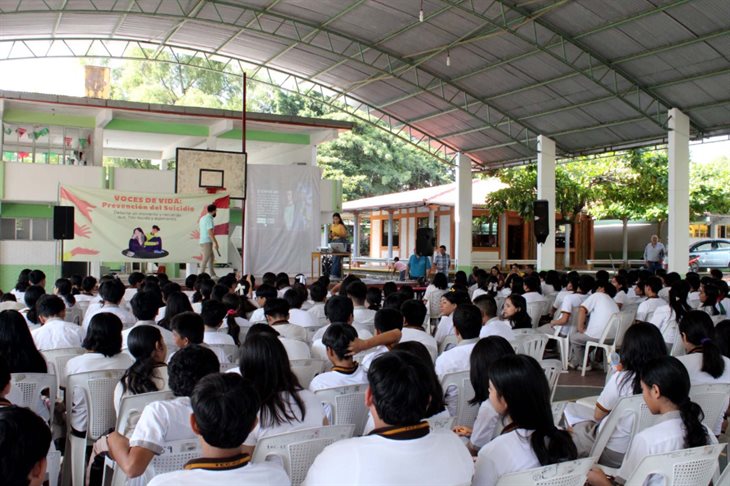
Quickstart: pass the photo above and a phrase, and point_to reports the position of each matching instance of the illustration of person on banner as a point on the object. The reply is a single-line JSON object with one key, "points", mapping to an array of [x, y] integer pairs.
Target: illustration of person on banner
{"points": [[154, 242]]}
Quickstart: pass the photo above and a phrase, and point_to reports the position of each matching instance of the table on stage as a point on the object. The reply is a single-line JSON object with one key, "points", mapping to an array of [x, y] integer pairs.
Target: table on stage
{"points": [[317, 256]]}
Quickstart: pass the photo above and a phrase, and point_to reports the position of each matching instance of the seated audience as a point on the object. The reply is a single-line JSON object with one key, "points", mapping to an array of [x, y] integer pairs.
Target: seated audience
{"points": [[491, 324], [187, 329], [55, 332], [414, 312], [600, 307], [144, 307], [24, 443], [318, 294], [514, 311], [213, 313], [112, 292], [277, 315], [17, 346], [30, 312], [148, 373], [449, 302], [297, 316]]}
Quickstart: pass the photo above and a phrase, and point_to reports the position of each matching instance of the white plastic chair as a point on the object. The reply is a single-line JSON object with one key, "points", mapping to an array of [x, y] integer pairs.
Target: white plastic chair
{"points": [[306, 369], [298, 449], [605, 342], [296, 349], [531, 345], [131, 407], [713, 399], [347, 405], [173, 458], [558, 408], [685, 467], [98, 388], [534, 310], [552, 368], [634, 406], [441, 424], [57, 359], [230, 351], [571, 473], [466, 413], [311, 331], [30, 386], [564, 341]]}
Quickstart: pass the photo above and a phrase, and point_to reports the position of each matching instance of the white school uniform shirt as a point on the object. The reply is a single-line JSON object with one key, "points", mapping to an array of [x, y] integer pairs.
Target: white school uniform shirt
{"points": [[600, 307], [435, 459], [374, 353], [472, 288], [162, 422], [618, 386], [319, 349], [477, 293], [84, 298], [198, 308], [433, 296], [363, 315], [331, 379], [445, 328], [268, 473], [214, 337], [571, 300], [665, 319], [533, 297], [166, 335], [291, 331], [158, 376], [451, 361], [693, 363], [665, 436], [559, 298], [421, 336], [127, 318], [647, 307], [547, 288], [57, 334], [258, 316], [507, 453], [497, 327], [161, 313], [302, 318], [317, 311], [664, 294], [485, 425], [19, 296], [280, 293], [129, 293], [620, 298], [295, 348], [91, 362], [313, 417], [31, 326], [693, 299], [74, 314]]}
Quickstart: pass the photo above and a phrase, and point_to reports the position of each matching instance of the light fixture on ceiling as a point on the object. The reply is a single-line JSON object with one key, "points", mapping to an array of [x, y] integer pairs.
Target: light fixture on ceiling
{"points": [[420, 13]]}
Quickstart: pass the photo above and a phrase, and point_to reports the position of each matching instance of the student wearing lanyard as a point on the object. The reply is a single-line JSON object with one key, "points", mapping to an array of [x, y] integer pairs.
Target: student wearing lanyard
{"points": [[401, 449], [224, 412]]}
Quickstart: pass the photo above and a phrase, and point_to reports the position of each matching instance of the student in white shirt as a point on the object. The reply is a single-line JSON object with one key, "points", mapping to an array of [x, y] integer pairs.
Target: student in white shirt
{"points": [[514, 311], [30, 312], [438, 287], [295, 298], [103, 342], [467, 324], [401, 449], [665, 386], [62, 288], [224, 412], [277, 315], [619, 283], [704, 361], [414, 312], [491, 324], [520, 394], [485, 352], [338, 309], [144, 308], [55, 332], [204, 289], [285, 405], [585, 284], [176, 303], [25, 440], [642, 343], [482, 284], [187, 329], [652, 286], [213, 313], [235, 322], [532, 293], [318, 294], [600, 307], [345, 371], [164, 421], [386, 320], [282, 284], [136, 281], [111, 291], [148, 373], [667, 317], [362, 316], [449, 302], [264, 293]]}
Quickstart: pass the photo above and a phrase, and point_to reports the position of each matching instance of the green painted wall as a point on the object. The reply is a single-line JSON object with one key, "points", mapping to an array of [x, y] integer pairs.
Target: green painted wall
{"points": [[19, 210], [267, 136], [170, 128], [41, 118], [236, 216], [9, 275], [2, 178]]}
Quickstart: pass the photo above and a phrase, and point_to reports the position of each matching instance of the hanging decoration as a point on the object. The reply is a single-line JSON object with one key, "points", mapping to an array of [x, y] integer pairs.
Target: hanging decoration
{"points": [[20, 131], [8, 131], [82, 143], [39, 133], [67, 141], [23, 155]]}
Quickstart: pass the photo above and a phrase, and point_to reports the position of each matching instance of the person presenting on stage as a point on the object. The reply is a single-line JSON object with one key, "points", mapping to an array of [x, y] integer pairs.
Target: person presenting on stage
{"points": [[207, 240], [338, 234]]}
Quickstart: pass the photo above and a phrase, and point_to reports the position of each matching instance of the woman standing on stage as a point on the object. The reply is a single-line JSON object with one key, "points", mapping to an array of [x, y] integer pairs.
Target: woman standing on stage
{"points": [[338, 234]]}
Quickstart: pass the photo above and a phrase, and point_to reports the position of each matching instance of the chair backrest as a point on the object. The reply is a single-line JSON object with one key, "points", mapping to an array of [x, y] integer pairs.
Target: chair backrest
{"points": [[441, 424], [230, 351], [175, 455], [98, 387], [466, 414], [552, 368], [519, 332], [611, 329], [347, 404], [633, 406], [713, 398], [306, 369], [571, 473], [311, 331], [57, 359], [532, 344], [448, 343], [558, 408], [298, 449], [685, 467], [534, 310], [130, 409], [224, 367], [500, 303], [296, 349], [30, 386], [625, 319]]}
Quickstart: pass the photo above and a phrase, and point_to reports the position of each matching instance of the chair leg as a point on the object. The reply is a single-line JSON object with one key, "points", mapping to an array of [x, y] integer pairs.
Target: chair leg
{"points": [[564, 352], [585, 360], [78, 454]]}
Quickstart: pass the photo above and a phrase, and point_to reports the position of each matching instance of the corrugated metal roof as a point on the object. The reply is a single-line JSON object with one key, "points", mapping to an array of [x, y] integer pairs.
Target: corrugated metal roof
{"points": [[516, 69]]}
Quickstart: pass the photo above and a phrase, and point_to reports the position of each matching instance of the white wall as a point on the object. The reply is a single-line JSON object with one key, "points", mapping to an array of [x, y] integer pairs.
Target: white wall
{"points": [[28, 252], [444, 236], [39, 182], [282, 154], [144, 180]]}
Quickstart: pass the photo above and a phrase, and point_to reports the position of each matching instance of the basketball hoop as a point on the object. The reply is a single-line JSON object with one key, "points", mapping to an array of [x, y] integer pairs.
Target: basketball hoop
{"points": [[214, 190]]}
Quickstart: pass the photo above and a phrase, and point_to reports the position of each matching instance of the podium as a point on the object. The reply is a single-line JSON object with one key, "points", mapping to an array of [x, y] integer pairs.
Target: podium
{"points": [[317, 257]]}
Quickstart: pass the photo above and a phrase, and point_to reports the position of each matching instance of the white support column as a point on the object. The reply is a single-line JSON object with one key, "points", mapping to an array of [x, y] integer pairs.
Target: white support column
{"points": [[546, 190], [431, 218], [102, 119], [463, 214], [678, 235], [356, 236], [390, 234], [566, 254], [503, 229]]}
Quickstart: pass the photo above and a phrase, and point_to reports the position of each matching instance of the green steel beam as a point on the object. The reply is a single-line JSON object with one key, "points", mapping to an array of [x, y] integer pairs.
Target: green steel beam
{"points": [[16, 116], [268, 136], [162, 127]]}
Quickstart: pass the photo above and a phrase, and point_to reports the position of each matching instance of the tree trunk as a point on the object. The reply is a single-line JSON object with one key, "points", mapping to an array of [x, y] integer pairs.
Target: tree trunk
{"points": [[625, 239], [659, 225]]}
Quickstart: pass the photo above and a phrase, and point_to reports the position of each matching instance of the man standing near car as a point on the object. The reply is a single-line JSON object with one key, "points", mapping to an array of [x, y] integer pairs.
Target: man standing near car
{"points": [[654, 254]]}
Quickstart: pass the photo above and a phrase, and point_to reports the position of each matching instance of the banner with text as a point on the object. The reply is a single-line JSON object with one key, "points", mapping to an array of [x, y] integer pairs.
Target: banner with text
{"points": [[126, 226]]}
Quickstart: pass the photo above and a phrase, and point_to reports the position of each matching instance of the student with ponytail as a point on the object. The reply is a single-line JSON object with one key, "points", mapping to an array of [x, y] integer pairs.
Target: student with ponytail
{"points": [[520, 393], [666, 317], [31, 296], [665, 385], [233, 322], [704, 360], [148, 373], [64, 289]]}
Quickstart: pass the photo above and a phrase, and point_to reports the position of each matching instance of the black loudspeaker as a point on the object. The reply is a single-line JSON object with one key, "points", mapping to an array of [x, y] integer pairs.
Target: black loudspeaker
{"points": [[542, 224], [425, 241], [63, 222]]}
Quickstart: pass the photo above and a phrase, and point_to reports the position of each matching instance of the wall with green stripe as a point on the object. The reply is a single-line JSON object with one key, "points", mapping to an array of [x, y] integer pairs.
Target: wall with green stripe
{"points": [[9, 275]]}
